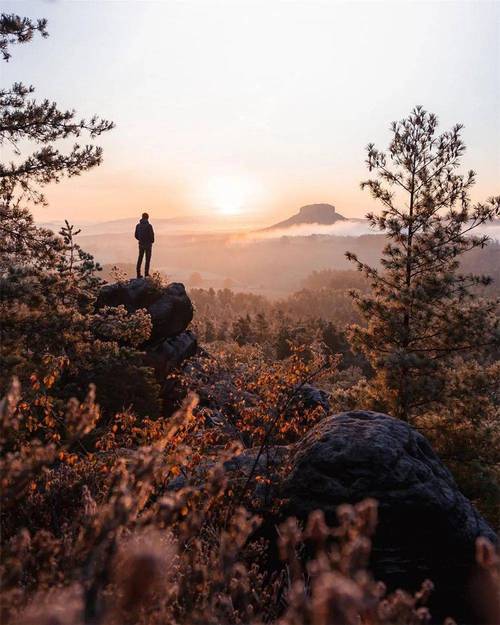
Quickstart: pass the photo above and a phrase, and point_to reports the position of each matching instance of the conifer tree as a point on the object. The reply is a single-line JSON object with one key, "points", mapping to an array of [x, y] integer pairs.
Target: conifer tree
{"points": [[242, 330], [222, 331], [209, 331], [283, 343], [423, 317], [48, 284], [15, 29], [261, 328], [27, 123], [45, 279]]}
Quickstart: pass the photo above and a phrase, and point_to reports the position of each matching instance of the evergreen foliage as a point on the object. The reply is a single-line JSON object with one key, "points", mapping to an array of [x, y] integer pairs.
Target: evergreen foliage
{"points": [[423, 319], [50, 334], [243, 331], [15, 29]]}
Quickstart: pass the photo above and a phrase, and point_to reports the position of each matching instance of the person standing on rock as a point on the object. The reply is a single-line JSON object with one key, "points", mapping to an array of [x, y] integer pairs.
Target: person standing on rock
{"points": [[144, 233]]}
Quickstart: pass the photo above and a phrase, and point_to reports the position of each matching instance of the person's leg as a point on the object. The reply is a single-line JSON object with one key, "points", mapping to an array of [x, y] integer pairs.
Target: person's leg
{"points": [[149, 249], [139, 260]]}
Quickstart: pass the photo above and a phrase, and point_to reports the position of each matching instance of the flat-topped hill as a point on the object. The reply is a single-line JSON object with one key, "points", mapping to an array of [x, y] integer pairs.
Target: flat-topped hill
{"points": [[311, 214]]}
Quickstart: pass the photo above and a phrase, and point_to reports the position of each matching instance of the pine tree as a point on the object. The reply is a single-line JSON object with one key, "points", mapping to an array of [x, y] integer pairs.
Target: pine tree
{"points": [[261, 328], [222, 331], [15, 29], [48, 284], [423, 317], [242, 330], [25, 121], [209, 331], [283, 343]]}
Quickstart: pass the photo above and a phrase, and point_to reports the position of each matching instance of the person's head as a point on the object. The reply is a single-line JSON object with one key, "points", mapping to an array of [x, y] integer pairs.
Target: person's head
{"points": [[145, 216]]}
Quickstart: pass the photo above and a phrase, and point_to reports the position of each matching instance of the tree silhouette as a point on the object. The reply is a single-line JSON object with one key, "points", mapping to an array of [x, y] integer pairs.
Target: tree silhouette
{"points": [[422, 316], [210, 334], [242, 330], [50, 330], [15, 29], [283, 343], [261, 328], [24, 122]]}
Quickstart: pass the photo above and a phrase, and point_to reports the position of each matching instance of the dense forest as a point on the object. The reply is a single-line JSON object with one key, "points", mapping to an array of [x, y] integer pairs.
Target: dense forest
{"points": [[212, 456]]}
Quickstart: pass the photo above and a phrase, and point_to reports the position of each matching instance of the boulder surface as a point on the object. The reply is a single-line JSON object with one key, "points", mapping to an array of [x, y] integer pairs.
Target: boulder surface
{"points": [[171, 312], [308, 397], [170, 353], [427, 529], [170, 308]]}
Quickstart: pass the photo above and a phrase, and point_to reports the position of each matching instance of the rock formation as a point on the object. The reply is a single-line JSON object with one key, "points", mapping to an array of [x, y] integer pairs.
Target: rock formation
{"points": [[427, 529], [171, 313], [170, 307], [311, 214], [308, 397]]}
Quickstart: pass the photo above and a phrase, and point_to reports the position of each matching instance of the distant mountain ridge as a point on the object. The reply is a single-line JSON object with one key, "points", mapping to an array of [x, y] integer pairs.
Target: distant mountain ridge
{"points": [[183, 224], [324, 214]]}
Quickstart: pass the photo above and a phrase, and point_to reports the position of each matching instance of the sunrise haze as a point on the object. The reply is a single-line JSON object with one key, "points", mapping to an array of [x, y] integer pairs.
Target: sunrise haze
{"points": [[256, 109]]}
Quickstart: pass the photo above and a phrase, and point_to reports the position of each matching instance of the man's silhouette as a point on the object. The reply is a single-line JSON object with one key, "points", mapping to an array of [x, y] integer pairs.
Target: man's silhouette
{"points": [[144, 233]]}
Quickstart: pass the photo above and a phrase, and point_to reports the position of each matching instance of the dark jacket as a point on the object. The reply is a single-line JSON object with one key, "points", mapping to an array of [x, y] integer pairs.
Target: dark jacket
{"points": [[144, 233]]}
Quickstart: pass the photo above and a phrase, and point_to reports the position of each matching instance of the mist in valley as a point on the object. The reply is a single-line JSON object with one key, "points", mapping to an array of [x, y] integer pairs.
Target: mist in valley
{"points": [[220, 403], [270, 262]]}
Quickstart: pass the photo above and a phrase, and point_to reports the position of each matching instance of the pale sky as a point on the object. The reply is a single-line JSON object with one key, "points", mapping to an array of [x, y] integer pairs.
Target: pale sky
{"points": [[256, 107]]}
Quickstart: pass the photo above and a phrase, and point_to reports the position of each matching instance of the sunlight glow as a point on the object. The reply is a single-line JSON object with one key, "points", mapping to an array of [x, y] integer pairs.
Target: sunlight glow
{"points": [[231, 194], [291, 114]]}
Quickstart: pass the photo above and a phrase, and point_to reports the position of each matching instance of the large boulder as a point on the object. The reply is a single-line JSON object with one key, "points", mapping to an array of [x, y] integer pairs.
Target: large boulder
{"points": [[165, 356], [170, 308], [427, 529], [170, 344]]}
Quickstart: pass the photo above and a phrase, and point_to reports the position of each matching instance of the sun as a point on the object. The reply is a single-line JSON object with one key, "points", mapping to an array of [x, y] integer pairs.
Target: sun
{"points": [[230, 194]]}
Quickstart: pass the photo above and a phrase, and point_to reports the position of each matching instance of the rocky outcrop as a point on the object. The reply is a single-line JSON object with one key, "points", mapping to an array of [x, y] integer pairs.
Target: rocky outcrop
{"points": [[324, 214], [427, 529], [165, 356], [309, 397], [171, 312], [170, 308]]}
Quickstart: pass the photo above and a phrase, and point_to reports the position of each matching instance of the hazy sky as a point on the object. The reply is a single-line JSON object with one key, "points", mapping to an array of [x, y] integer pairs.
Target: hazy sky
{"points": [[257, 107]]}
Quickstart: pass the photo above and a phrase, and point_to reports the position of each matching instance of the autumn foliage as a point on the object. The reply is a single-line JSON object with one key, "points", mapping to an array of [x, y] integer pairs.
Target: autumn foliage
{"points": [[118, 511]]}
